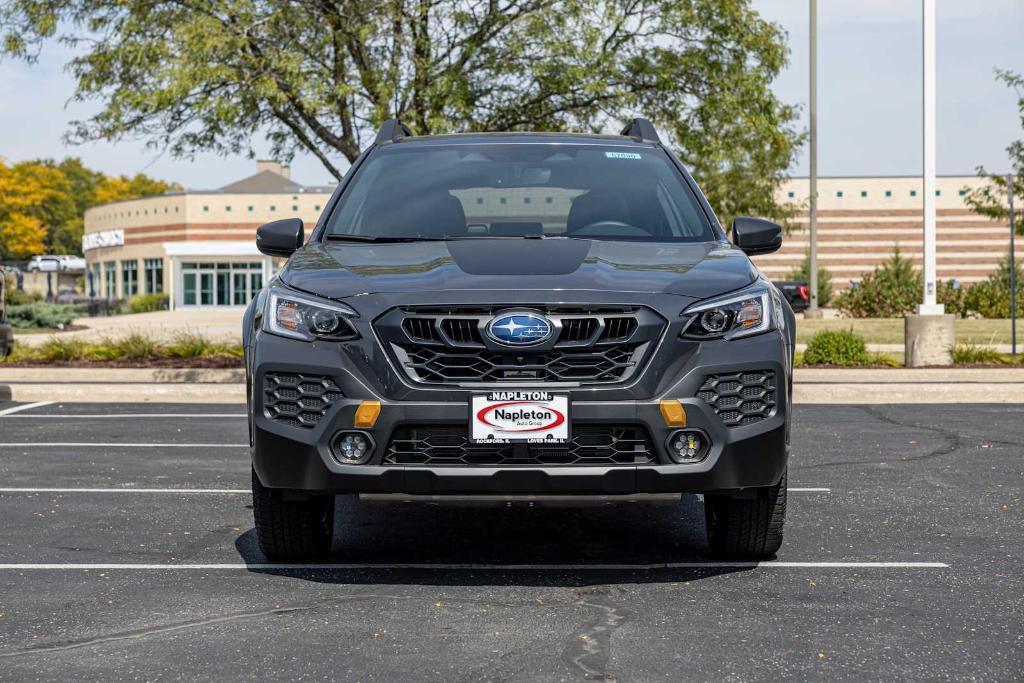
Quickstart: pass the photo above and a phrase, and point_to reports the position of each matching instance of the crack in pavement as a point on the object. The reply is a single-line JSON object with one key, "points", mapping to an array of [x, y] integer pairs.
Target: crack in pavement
{"points": [[590, 651], [953, 442], [137, 634]]}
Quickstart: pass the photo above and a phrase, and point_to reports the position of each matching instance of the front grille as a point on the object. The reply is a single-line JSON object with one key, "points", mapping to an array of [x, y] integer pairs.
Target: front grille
{"points": [[598, 345], [740, 398], [450, 445], [298, 400], [598, 364]]}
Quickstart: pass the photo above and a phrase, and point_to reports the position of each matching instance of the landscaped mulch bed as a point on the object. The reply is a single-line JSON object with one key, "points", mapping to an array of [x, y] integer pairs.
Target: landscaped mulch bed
{"points": [[208, 362]]}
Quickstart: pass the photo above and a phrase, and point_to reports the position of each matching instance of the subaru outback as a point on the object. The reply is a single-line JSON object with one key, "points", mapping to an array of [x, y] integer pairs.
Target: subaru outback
{"points": [[508, 316]]}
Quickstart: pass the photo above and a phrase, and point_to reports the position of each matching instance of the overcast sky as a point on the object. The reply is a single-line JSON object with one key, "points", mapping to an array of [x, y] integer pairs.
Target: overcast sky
{"points": [[869, 95]]}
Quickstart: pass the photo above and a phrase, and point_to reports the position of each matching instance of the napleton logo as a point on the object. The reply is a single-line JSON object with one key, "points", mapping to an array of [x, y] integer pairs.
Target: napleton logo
{"points": [[521, 416]]}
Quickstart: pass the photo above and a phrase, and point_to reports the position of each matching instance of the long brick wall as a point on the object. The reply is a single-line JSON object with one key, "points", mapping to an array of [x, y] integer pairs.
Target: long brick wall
{"points": [[859, 224]]}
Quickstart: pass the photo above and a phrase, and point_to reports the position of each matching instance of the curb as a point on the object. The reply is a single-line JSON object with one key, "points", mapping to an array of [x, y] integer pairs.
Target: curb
{"points": [[811, 385]]}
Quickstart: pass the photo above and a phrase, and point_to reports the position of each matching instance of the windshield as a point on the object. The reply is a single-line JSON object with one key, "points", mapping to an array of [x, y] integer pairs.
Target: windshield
{"points": [[511, 190]]}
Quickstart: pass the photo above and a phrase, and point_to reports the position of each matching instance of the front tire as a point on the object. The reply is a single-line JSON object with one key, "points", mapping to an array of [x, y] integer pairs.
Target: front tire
{"points": [[746, 527], [292, 530]]}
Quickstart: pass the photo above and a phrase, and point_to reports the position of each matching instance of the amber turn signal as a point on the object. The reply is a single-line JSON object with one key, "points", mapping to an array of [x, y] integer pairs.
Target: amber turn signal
{"points": [[673, 413], [367, 414]]}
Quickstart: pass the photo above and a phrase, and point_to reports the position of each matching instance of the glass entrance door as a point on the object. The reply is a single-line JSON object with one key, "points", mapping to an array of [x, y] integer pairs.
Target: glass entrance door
{"points": [[220, 284]]}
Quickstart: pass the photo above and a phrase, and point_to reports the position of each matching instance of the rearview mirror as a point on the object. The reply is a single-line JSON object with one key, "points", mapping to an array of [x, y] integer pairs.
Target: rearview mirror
{"points": [[756, 235], [280, 238]]}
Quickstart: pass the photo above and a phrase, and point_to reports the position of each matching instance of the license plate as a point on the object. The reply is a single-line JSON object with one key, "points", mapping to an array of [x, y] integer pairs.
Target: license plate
{"points": [[528, 416]]}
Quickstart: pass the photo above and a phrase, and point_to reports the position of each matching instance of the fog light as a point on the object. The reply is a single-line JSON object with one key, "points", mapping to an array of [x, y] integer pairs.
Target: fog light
{"points": [[352, 448], [687, 446]]}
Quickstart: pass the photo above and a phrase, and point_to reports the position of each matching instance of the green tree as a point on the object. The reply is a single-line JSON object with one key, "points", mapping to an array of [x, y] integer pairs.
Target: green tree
{"points": [[991, 297], [194, 76], [991, 199], [891, 290], [43, 202]]}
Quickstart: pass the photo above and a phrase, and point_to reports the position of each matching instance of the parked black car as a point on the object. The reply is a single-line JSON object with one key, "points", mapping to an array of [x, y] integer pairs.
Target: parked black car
{"points": [[797, 294], [516, 314], [6, 332]]}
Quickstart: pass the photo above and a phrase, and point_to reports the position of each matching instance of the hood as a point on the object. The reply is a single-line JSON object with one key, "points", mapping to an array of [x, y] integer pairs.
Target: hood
{"points": [[342, 269]]}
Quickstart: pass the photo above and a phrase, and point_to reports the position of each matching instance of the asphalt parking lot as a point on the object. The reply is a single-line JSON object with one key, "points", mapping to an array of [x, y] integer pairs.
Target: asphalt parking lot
{"points": [[127, 551]]}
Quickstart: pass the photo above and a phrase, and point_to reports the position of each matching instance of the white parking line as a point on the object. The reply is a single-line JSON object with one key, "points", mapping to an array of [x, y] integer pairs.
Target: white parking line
{"points": [[92, 444], [771, 564], [27, 406], [113, 416]]}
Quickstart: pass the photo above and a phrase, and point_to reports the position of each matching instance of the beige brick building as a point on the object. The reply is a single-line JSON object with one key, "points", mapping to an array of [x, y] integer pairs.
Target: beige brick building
{"points": [[198, 246], [860, 220]]}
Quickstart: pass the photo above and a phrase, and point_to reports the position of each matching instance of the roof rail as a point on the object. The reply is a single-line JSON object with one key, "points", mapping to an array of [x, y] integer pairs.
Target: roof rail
{"points": [[642, 130], [392, 130]]}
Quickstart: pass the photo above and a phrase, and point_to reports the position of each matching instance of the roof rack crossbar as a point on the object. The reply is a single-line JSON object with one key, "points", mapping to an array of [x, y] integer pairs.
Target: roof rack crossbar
{"points": [[642, 130], [392, 130]]}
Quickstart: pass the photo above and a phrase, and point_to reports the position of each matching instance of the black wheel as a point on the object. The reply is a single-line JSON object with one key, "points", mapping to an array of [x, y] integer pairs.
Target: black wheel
{"points": [[745, 525], [288, 530]]}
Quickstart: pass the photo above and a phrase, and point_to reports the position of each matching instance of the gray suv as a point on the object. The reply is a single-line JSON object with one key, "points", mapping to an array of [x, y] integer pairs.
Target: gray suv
{"points": [[509, 315]]}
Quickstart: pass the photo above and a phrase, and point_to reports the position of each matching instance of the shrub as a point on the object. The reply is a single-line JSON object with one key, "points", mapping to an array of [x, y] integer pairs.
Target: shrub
{"points": [[969, 354], [837, 347], [56, 348], [891, 290], [133, 345], [41, 314], [991, 298], [803, 272], [953, 298], [190, 344], [147, 303]]}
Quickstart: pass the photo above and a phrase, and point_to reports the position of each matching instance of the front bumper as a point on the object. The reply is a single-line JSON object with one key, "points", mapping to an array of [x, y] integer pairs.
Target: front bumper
{"points": [[299, 459]]}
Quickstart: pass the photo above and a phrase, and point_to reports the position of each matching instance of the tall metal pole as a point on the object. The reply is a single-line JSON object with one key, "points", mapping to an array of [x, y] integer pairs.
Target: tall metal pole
{"points": [[1013, 273], [928, 306], [813, 208]]}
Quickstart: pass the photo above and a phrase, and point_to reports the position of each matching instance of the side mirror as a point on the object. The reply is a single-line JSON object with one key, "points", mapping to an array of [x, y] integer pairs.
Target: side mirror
{"points": [[280, 238], [756, 235]]}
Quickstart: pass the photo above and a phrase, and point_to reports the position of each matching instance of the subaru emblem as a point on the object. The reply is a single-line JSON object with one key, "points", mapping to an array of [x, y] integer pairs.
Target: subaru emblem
{"points": [[519, 329]]}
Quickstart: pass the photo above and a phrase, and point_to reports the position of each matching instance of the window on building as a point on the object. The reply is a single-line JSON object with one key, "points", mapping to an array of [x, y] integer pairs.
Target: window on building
{"points": [[295, 207], [110, 280], [913, 193], [479, 200], [791, 194], [129, 278], [206, 208], [227, 208], [316, 207], [962, 193], [938, 193], [273, 208], [863, 193], [250, 209], [888, 193], [504, 201], [839, 193], [526, 200], [220, 284], [154, 274], [549, 200]]}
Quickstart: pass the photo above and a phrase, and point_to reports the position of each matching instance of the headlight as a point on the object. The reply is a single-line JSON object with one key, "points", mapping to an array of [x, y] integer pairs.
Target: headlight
{"points": [[309, 318], [732, 316]]}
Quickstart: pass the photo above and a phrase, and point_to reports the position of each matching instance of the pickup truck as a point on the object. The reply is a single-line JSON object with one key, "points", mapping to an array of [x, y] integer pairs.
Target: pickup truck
{"points": [[796, 292]]}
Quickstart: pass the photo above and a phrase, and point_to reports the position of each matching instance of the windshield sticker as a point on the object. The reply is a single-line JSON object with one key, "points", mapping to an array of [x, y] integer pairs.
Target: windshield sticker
{"points": [[622, 155]]}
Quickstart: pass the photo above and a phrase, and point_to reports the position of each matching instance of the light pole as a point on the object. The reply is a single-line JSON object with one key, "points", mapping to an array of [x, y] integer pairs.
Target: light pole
{"points": [[1013, 272], [812, 308], [928, 336]]}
